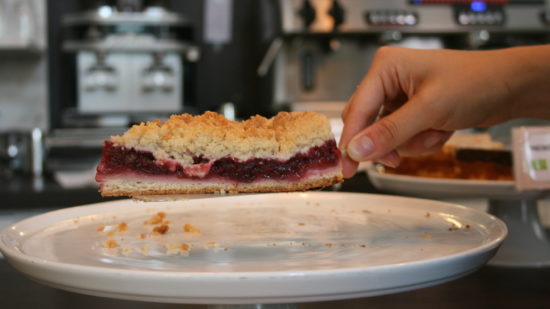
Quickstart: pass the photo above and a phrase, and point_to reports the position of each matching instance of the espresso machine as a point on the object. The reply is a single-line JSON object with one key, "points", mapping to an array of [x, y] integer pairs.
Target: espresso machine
{"points": [[117, 63], [130, 57], [323, 48]]}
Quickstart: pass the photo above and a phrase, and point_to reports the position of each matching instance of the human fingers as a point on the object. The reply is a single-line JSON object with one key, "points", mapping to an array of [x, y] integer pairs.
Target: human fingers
{"points": [[391, 159], [425, 142], [357, 114], [361, 110], [349, 167], [389, 133]]}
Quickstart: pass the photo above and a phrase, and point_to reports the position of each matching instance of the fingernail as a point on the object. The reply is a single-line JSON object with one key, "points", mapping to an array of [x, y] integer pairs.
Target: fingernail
{"points": [[360, 148], [432, 140]]}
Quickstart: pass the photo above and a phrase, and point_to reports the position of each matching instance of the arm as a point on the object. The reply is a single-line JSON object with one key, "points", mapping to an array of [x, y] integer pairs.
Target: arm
{"points": [[411, 101]]}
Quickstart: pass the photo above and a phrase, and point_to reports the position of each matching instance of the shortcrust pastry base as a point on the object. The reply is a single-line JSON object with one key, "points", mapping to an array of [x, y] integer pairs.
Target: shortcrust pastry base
{"points": [[133, 187]]}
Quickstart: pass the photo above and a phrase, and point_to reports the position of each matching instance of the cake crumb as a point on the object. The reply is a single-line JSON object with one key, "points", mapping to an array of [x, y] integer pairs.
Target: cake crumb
{"points": [[191, 229], [158, 218], [127, 251], [427, 215], [177, 248], [161, 229], [122, 227], [426, 236], [101, 228], [110, 244]]}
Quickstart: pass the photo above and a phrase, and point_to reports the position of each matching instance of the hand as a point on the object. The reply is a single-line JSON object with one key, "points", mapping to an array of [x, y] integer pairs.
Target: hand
{"points": [[411, 101]]}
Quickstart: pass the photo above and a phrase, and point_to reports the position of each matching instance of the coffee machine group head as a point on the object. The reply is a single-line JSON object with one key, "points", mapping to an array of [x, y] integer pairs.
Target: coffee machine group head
{"points": [[131, 57]]}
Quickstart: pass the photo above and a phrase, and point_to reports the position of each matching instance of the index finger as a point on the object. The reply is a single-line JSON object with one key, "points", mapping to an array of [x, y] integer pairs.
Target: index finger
{"points": [[361, 111]]}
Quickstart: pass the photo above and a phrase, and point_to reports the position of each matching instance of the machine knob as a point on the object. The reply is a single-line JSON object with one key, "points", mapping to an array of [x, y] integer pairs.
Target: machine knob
{"points": [[338, 13], [307, 12]]}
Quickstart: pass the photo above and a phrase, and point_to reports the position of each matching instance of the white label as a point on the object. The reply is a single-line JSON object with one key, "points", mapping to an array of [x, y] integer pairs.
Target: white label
{"points": [[537, 154], [531, 146]]}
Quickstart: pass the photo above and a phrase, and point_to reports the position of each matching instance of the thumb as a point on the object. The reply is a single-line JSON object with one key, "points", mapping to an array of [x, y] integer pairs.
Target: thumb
{"points": [[388, 133]]}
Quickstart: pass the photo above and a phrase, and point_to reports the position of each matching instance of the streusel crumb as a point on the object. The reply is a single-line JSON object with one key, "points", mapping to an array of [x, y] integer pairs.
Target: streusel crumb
{"points": [[191, 229], [156, 219], [110, 244], [161, 229], [213, 136]]}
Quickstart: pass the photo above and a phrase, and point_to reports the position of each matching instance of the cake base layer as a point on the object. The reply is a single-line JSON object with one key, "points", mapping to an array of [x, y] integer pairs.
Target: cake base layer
{"points": [[127, 186]]}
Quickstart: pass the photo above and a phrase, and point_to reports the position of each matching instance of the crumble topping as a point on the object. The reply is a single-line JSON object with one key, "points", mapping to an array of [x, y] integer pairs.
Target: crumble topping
{"points": [[184, 136]]}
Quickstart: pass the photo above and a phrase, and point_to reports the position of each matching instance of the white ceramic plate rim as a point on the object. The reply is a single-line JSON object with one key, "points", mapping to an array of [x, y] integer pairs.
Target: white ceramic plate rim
{"points": [[445, 181], [10, 252]]}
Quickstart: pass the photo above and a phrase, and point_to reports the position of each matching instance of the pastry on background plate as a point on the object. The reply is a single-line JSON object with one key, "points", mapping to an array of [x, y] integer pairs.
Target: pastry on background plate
{"points": [[464, 156], [210, 154]]}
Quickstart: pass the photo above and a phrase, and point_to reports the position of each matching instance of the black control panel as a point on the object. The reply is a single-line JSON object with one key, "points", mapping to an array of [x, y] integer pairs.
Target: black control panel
{"points": [[481, 15], [391, 18], [414, 16]]}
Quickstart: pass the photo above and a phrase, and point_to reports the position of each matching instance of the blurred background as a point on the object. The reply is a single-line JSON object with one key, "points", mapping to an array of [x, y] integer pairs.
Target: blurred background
{"points": [[74, 72]]}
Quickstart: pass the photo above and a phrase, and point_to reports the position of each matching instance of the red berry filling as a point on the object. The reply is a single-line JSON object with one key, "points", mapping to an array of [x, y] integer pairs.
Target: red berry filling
{"points": [[118, 160]]}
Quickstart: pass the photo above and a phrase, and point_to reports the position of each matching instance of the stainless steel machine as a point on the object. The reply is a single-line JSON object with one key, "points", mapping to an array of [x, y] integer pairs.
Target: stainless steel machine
{"points": [[325, 47], [129, 61]]}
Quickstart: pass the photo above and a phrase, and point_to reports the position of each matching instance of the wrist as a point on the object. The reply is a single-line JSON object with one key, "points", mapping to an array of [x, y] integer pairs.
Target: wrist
{"points": [[528, 82]]}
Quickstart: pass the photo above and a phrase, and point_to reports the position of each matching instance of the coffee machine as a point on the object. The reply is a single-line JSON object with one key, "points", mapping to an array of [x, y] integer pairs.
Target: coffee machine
{"points": [[323, 48], [130, 62]]}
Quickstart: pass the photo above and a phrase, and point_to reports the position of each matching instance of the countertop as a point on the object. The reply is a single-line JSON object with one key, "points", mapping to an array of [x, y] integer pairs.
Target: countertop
{"points": [[489, 287]]}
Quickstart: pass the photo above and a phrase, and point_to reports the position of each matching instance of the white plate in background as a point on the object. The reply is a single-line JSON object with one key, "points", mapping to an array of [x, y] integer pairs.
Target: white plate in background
{"points": [[443, 187]]}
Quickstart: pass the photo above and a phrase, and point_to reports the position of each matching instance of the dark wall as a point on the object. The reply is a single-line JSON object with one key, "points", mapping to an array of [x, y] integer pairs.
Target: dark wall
{"points": [[229, 74], [61, 65]]}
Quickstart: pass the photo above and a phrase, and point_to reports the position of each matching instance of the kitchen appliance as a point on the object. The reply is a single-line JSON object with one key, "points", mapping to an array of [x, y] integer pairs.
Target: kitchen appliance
{"points": [[23, 65], [21, 152], [323, 48], [130, 62]]}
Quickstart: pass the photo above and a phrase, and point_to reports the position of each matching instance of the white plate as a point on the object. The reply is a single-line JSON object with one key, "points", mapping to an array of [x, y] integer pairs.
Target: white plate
{"points": [[268, 248], [444, 188]]}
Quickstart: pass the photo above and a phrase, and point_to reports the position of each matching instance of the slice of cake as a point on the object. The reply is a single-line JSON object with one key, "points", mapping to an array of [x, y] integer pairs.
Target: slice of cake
{"points": [[210, 154]]}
